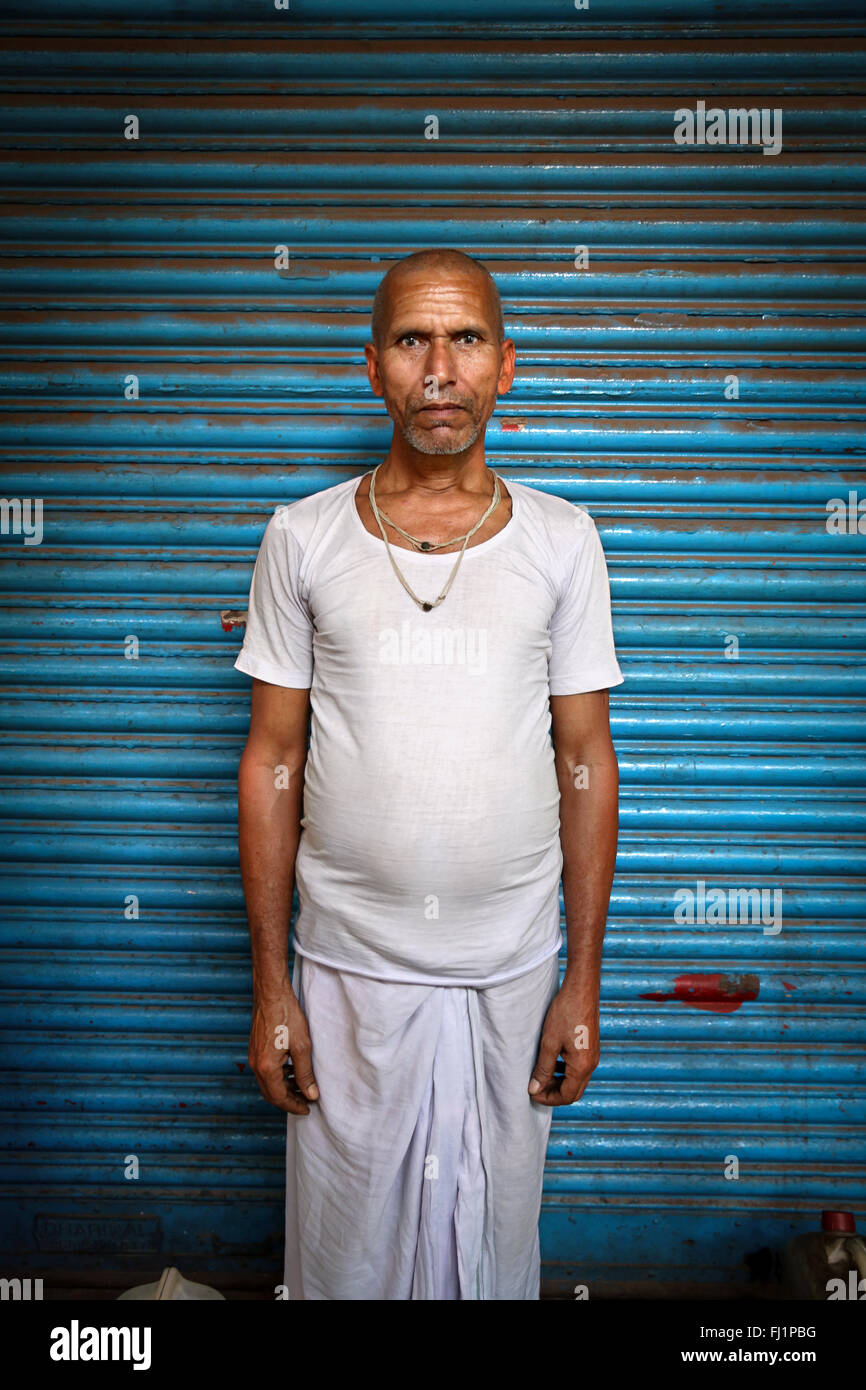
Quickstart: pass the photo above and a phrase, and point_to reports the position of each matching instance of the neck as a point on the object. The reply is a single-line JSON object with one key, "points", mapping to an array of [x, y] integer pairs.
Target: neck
{"points": [[433, 474]]}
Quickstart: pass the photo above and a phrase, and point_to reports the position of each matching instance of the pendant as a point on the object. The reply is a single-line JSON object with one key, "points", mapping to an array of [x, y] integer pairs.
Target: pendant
{"points": [[425, 545], [425, 607]]}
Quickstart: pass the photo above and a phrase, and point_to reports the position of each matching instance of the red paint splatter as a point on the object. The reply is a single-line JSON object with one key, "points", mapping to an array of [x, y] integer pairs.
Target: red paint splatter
{"points": [[512, 424], [719, 994], [787, 986], [240, 1065]]}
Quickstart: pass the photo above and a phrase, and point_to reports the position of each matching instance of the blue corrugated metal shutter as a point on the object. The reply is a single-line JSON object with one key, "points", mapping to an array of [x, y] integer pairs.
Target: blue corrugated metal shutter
{"points": [[125, 982]]}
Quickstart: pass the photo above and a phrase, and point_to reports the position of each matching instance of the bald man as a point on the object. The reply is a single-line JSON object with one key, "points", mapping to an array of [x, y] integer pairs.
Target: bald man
{"points": [[451, 638]]}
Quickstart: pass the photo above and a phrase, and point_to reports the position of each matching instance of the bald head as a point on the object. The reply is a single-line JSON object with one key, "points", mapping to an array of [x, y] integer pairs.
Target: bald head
{"points": [[441, 262]]}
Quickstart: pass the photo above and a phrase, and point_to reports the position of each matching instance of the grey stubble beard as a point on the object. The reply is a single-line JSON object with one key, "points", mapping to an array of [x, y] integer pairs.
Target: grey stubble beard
{"points": [[427, 442]]}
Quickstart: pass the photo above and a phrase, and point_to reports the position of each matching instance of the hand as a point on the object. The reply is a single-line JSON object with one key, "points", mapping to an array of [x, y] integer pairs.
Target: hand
{"points": [[280, 1053], [570, 1031]]}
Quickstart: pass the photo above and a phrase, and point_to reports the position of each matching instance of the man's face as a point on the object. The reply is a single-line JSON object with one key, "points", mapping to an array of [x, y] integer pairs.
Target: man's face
{"points": [[440, 364]]}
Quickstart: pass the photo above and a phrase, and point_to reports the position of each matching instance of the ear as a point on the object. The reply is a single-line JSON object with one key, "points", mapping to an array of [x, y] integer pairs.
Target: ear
{"points": [[371, 353], [506, 372]]}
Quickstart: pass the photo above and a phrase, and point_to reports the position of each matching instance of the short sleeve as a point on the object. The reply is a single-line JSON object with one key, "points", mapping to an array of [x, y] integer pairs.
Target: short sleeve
{"points": [[583, 656], [278, 644]]}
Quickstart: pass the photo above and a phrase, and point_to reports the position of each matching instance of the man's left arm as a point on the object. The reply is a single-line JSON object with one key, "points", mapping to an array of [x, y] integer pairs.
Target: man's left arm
{"points": [[588, 777]]}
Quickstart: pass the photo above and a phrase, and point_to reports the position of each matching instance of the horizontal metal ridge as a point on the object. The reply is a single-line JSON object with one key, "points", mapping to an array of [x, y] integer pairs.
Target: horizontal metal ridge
{"points": [[131, 845], [662, 1179], [809, 1144], [136, 1017], [272, 476], [819, 282], [464, 61], [728, 577], [213, 802], [164, 758], [237, 1100], [694, 386], [655, 326], [778, 1064], [821, 926], [388, 20], [365, 230], [224, 976], [313, 121]]}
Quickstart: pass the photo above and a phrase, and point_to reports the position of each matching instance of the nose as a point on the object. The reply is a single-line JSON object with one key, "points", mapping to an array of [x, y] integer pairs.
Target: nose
{"points": [[440, 363]]}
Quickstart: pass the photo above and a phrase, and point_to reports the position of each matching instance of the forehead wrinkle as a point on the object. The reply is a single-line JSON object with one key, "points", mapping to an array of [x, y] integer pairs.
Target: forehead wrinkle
{"points": [[402, 317], [442, 269]]}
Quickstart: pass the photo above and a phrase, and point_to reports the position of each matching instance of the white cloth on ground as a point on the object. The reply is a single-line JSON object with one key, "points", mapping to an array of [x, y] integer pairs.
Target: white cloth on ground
{"points": [[418, 1173]]}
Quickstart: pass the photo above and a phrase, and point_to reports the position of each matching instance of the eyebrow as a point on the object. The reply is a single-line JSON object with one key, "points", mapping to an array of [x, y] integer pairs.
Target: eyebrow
{"points": [[421, 333]]}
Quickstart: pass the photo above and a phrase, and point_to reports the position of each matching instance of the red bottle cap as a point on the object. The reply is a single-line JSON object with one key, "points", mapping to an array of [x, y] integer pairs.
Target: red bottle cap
{"points": [[838, 1221]]}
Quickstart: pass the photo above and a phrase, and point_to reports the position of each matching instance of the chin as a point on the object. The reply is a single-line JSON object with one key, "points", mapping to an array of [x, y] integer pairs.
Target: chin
{"points": [[442, 441]]}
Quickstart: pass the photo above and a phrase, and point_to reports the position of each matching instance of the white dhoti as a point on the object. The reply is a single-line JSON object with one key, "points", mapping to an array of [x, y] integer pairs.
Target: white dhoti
{"points": [[418, 1172]]}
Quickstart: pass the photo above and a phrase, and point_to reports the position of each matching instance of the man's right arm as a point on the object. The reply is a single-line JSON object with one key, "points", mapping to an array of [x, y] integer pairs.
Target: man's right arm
{"points": [[270, 786]]}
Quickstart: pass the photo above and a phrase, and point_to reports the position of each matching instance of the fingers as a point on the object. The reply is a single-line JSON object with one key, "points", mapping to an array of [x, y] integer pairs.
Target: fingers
{"points": [[563, 1090], [280, 1058], [545, 1066], [279, 1088], [563, 1084], [302, 1059]]}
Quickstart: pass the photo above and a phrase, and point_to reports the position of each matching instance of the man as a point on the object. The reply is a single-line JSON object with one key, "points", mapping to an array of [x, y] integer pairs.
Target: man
{"points": [[453, 639]]}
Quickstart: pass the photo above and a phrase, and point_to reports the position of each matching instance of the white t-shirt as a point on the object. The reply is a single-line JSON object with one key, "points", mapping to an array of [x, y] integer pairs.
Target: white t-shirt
{"points": [[429, 847]]}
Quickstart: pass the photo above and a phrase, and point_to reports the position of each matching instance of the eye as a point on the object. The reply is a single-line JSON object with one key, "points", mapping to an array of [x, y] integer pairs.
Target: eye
{"points": [[474, 337], [408, 338]]}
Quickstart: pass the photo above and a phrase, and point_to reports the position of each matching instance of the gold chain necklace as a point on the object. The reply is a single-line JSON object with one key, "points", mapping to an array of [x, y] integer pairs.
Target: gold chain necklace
{"points": [[425, 545]]}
